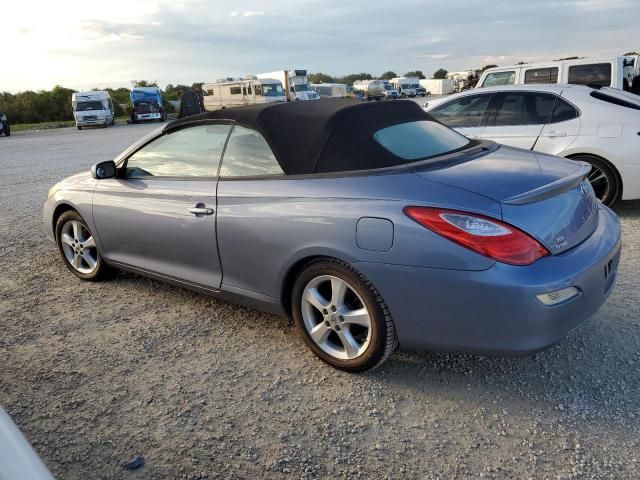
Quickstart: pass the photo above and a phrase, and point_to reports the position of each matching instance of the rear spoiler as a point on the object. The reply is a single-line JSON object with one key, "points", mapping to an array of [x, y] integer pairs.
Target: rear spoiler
{"points": [[554, 188]]}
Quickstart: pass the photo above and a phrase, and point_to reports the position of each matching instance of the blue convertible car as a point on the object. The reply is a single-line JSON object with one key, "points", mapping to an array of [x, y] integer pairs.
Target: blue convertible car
{"points": [[369, 224]]}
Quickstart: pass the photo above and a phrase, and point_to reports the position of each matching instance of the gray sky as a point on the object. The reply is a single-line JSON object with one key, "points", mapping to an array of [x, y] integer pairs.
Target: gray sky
{"points": [[83, 44]]}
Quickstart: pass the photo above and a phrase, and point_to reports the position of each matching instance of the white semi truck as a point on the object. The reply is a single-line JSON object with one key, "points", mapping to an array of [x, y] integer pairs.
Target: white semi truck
{"points": [[330, 90], [92, 108], [296, 82]]}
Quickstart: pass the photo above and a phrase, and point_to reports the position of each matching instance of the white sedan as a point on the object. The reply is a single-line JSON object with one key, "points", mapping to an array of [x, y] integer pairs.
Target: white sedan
{"points": [[598, 126]]}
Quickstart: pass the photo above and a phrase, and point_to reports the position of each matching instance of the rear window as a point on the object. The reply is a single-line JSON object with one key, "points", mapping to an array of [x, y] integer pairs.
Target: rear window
{"points": [[594, 74], [420, 139], [617, 99]]}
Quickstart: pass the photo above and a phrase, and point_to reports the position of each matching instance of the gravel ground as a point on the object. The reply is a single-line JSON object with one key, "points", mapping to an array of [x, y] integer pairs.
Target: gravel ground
{"points": [[97, 374]]}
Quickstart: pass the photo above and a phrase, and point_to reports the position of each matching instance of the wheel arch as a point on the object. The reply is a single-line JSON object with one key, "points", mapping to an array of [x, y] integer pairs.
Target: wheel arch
{"points": [[613, 168], [292, 273], [58, 211]]}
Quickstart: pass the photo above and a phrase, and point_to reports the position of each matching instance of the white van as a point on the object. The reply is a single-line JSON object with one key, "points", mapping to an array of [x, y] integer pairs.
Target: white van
{"points": [[406, 87], [234, 93], [616, 72], [92, 108]]}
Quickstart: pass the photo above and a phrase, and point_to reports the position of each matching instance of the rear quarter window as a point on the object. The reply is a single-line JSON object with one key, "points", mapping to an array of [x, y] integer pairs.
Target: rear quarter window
{"points": [[420, 139]]}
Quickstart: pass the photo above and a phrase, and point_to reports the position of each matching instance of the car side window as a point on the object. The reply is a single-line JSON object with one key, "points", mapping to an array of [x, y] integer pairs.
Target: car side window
{"points": [[500, 78], [521, 108], [465, 112], [541, 75], [563, 111], [593, 74], [190, 152], [247, 154]]}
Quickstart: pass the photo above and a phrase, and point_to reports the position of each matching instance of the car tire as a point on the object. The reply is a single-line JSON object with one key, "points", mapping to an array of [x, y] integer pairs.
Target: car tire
{"points": [[603, 178], [78, 248], [7, 131], [325, 298]]}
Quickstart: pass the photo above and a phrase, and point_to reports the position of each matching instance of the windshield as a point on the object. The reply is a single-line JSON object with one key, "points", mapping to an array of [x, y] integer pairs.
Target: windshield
{"points": [[86, 106], [137, 95], [419, 139], [272, 90], [387, 86], [415, 85], [302, 87]]}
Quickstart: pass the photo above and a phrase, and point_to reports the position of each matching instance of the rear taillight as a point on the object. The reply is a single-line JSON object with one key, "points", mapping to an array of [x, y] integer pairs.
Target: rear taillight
{"points": [[486, 236]]}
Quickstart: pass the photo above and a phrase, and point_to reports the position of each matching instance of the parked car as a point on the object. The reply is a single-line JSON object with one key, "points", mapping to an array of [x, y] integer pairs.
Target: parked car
{"points": [[18, 459], [368, 223], [598, 126], [4, 124], [420, 90]]}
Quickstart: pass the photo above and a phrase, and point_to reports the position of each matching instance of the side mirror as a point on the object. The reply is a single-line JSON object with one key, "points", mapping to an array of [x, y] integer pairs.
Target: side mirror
{"points": [[104, 170]]}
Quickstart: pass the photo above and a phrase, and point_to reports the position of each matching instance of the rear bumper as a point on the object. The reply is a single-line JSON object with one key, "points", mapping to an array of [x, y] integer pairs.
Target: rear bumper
{"points": [[495, 311]]}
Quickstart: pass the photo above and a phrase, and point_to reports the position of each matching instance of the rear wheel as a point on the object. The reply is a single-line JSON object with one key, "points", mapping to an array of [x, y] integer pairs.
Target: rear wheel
{"points": [[341, 317], [78, 247], [603, 178], [7, 130]]}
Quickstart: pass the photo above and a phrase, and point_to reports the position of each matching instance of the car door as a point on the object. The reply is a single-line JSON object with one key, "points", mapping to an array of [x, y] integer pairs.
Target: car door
{"points": [[562, 129], [517, 118], [250, 203], [465, 114], [158, 215]]}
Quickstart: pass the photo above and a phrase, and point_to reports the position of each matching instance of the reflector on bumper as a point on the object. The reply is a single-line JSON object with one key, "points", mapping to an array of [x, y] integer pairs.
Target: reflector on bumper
{"points": [[558, 296]]}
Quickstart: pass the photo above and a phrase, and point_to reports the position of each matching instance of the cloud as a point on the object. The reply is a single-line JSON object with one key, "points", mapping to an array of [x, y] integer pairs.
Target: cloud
{"points": [[434, 56], [185, 41], [494, 58]]}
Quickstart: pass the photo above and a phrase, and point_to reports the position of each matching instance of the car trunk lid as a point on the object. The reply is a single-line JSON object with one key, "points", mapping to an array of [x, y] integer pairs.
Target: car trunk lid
{"points": [[545, 196]]}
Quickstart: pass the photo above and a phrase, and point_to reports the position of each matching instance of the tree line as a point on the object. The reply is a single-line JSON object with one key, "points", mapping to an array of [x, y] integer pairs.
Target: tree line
{"points": [[55, 105], [388, 75]]}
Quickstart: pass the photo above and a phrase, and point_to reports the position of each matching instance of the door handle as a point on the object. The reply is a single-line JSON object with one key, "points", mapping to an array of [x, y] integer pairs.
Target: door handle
{"points": [[201, 211], [554, 134]]}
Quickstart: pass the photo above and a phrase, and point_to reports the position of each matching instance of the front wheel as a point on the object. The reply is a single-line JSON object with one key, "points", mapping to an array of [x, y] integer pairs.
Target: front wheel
{"points": [[603, 179], [341, 317], [78, 247]]}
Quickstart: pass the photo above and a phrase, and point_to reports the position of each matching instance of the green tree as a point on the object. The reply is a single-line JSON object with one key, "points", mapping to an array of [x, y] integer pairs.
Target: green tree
{"points": [[144, 83], [320, 78], [388, 75], [440, 73], [352, 77], [416, 73]]}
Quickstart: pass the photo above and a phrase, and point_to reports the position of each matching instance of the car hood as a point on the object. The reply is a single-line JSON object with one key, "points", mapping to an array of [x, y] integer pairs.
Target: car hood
{"points": [[504, 173]]}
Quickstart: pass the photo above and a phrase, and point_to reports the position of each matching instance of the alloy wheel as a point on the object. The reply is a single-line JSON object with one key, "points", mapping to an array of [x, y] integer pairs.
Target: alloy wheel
{"points": [[79, 247], [336, 317], [599, 182]]}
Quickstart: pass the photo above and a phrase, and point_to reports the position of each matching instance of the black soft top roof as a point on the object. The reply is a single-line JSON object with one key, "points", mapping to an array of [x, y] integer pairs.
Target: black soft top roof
{"points": [[329, 135]]}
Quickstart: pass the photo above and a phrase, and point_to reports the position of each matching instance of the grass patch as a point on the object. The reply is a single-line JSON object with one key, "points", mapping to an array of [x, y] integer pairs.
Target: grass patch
{"points": [[20, 127]]}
